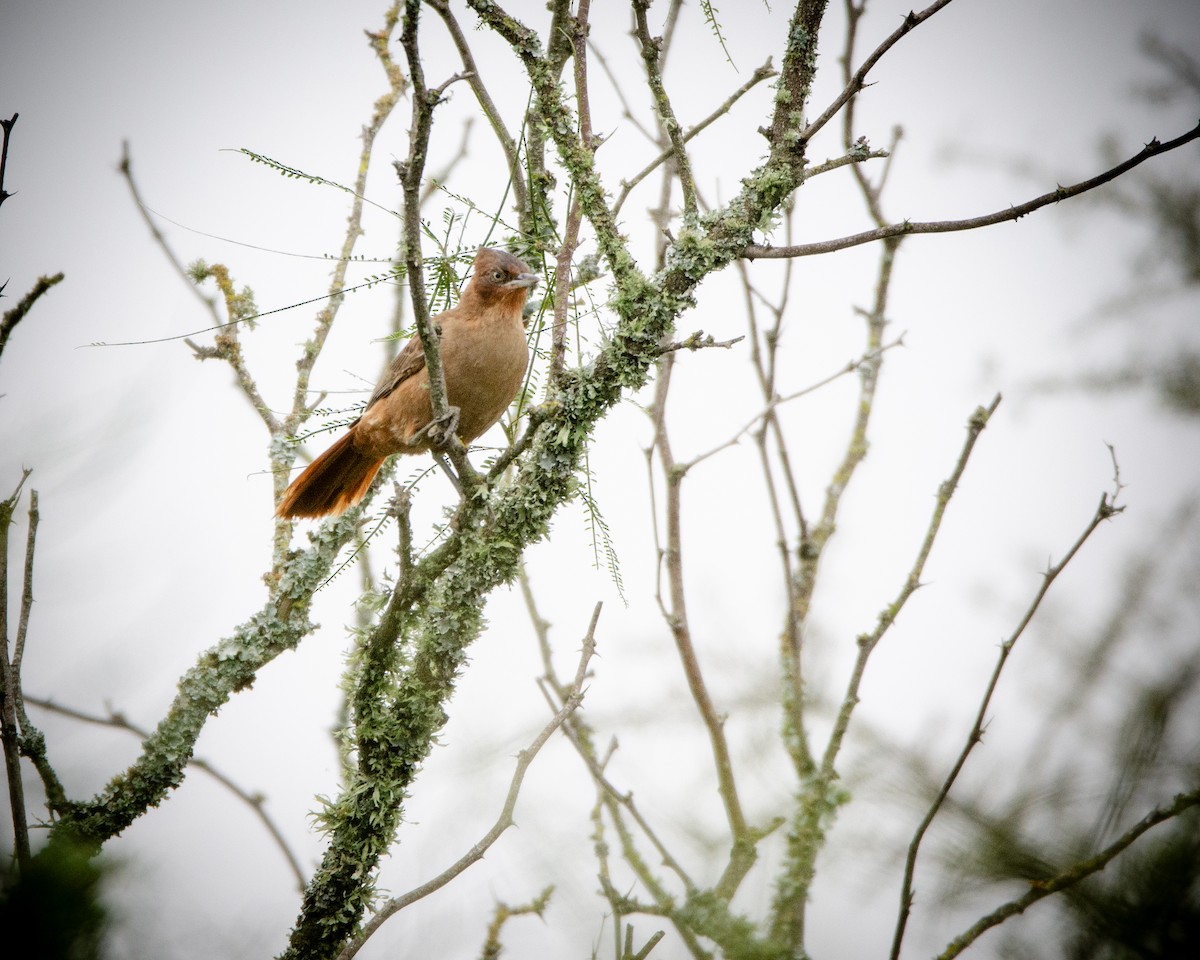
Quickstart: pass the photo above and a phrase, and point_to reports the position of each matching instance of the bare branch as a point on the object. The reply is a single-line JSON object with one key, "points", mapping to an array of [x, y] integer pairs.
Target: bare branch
{"points": [[765, 72], [1106, 509], [1155, 147], [820, 799], [1068, 878], [126, 169], [7, 126], [855, 84], [486, 103], [851, 366], [383, 106], [676, 618], [11, 709]]}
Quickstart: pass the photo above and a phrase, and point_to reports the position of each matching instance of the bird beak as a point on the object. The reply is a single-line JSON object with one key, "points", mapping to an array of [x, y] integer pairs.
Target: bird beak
{"points": [[524, 280]]}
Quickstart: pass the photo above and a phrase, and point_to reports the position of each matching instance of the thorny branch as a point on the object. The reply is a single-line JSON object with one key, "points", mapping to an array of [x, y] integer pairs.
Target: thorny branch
{"points": [[1073, 875], [1106, 509], [755, 251], [7, 127]]}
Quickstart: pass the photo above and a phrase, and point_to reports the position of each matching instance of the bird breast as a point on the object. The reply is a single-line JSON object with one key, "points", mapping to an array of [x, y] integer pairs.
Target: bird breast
{"points": [[484, 364]]}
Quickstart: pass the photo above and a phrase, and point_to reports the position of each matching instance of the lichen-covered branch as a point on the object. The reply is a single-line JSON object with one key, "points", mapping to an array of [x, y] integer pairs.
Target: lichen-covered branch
{"points": [[412, 171], [220, 672], [8, 322], [821, 794], [572, 697], [765, 72], [13, 732]]}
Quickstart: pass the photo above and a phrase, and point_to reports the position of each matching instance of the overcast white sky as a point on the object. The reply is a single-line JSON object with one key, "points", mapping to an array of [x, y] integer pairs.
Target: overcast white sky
{"points": [[156, 514]]}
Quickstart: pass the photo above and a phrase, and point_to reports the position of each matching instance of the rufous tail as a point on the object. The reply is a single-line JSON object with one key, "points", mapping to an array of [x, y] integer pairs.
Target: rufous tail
{"points": [[331, 484]]}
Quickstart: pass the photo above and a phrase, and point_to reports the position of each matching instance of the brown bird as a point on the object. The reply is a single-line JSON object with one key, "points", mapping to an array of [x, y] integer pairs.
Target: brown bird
{"points": [[484, 356]]}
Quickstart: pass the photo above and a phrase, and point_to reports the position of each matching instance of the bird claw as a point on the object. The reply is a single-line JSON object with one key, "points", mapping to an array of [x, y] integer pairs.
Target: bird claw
{"points": [[437, 431], [441, 429]]}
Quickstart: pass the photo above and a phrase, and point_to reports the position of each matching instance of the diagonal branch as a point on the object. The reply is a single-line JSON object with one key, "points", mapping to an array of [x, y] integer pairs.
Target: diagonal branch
{"points": [[253, 800], [228, 667], [765, 72], [572, 697], [821, 794], [12, 317], [1068, 878], [755, 251], [488, 105], [856, 82], [1106, 510]]}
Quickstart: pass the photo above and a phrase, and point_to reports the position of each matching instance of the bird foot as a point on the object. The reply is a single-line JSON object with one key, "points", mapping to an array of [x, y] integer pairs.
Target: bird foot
{"points": [[442, 428]]}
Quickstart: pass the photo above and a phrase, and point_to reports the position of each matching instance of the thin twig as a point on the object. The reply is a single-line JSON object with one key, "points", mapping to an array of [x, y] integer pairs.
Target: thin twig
{"points": [[774, 404], [1041, 889], [126, 170], [765, 72], [819, 798], [1154, 148], [699, 340], [855, 83], [573, 697], [7, 126], [626, 109], [300, 410], [1105, 511], [227, 346], [254, 800], [488, 105], [676, 614]]}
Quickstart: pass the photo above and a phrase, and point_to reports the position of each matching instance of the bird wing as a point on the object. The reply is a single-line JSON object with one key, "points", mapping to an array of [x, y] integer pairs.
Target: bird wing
{"points": [[408, 363]]}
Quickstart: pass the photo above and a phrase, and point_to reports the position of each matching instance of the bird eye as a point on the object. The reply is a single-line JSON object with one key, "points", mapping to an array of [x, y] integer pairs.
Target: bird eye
{"points": [[497, 275]]}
